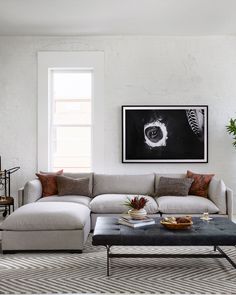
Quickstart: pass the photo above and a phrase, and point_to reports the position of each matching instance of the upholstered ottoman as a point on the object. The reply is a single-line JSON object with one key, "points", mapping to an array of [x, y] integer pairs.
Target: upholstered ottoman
{"points": [[46, 226]]}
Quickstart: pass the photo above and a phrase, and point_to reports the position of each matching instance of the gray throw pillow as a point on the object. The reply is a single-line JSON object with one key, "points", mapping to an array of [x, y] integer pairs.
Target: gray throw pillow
{"points": [[72, 186], [173, 186]]}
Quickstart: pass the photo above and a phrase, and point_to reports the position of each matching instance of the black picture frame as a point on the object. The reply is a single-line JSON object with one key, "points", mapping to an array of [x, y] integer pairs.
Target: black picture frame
{"points": [[164, 134]]}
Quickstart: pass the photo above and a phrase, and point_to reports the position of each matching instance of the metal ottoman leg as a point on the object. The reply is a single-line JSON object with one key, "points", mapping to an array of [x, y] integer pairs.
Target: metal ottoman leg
{"points": [[226, 256], [108, 260]]}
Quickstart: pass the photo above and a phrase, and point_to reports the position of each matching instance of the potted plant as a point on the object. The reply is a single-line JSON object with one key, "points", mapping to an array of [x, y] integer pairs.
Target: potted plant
{"points": [[231, 128], [137, 205]]}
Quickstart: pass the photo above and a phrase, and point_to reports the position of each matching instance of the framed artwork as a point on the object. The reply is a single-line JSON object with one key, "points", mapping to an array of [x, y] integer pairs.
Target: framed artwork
{"points": [[165, 134]]}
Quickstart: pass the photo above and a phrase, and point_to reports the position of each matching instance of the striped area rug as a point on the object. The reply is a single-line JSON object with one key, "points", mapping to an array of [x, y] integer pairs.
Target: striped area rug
{"points": [[47, 273]]}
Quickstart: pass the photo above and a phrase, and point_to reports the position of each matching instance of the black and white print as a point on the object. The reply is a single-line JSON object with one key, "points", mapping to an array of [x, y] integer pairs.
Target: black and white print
{"points": [[153, 134]]}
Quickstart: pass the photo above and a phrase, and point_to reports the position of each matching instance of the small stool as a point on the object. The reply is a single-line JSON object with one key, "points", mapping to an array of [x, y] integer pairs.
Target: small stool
{"points": [[7, 203]]}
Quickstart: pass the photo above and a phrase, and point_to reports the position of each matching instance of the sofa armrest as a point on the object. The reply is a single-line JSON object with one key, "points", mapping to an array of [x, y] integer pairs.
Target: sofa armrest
{"points": [[20, 197], [32, 191], [218, 195], [229, 202]]}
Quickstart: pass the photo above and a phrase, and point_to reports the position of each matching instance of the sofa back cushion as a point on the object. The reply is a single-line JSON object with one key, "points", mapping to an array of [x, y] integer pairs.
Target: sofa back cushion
{"points": [[123, 184]]}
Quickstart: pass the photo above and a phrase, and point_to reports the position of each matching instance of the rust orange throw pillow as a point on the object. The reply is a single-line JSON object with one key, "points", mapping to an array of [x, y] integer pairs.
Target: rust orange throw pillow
{"points": [[49, 183], [200, 184]]}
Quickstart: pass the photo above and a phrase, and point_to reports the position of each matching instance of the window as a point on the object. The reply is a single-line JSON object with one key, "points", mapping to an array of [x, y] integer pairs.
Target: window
{"points": [[71, 120], [71, 111]]}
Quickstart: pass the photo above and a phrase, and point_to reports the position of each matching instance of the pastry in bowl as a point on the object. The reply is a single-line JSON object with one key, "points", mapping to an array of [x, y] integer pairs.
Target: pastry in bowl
{"points": [[182, 222], [184, 219]]}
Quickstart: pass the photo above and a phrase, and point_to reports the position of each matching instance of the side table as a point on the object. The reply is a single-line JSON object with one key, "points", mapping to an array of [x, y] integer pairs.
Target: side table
{"points": [[8, 204]]}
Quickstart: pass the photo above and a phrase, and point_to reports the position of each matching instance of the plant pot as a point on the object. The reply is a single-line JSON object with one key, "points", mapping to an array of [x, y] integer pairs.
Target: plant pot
{"points": [[137, 214]]}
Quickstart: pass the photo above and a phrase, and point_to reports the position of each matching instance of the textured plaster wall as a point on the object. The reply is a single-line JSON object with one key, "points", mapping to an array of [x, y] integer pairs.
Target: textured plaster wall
{"points": [[138, 70]]}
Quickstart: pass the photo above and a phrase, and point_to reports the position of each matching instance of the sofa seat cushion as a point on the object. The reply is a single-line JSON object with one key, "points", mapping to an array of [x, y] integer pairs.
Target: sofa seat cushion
{"points": [[185, 205], [47, 216], [69, 198], [114, 203]]}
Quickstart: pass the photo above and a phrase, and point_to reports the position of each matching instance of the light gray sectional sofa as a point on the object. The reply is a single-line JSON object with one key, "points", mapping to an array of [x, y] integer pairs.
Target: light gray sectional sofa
{"points": [[64, 222]]}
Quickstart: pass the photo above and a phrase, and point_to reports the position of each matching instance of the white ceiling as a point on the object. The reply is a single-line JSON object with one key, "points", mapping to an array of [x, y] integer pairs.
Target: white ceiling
{"points": [[117, 17]]}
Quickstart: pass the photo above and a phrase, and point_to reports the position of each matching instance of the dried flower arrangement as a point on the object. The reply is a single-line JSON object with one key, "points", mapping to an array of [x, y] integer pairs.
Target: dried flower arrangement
{"points": [[136, 203]]}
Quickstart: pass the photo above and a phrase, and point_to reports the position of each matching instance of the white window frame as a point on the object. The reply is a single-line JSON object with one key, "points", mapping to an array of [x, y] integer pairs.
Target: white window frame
{"points": [[88, 70], [49, 60]]}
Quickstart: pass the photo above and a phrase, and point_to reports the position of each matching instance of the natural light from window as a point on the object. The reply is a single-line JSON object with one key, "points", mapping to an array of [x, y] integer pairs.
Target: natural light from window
{"points": [[71, 120]]}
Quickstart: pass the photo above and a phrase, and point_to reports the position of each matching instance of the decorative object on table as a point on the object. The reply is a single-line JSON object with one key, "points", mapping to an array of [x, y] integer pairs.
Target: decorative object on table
{"points": [[137, 205], [136, 222], [6, 200], [231, 129], [183, 222], [205, 216], [153, 134]]}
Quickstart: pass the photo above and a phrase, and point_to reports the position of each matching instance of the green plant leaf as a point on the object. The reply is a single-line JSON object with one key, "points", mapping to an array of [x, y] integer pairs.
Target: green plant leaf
{"points": [[231, 129]]}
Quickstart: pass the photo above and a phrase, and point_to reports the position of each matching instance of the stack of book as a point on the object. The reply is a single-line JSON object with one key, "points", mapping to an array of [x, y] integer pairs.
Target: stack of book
{"points": [[134, 222]]}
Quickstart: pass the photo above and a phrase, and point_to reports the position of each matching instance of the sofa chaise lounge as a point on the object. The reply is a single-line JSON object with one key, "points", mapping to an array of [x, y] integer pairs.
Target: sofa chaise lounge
{"points": [[64, 222]]}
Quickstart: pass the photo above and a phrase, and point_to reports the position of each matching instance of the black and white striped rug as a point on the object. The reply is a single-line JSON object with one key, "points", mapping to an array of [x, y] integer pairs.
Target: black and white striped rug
{"points": [[47, 273]]}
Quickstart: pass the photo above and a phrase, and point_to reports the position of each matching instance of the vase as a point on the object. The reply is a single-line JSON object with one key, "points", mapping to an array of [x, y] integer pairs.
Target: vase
{"points": [[137, 214]]}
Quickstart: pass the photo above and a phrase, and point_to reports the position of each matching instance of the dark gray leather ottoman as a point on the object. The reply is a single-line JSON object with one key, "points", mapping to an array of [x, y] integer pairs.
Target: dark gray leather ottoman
{"points": [[217, 232]]}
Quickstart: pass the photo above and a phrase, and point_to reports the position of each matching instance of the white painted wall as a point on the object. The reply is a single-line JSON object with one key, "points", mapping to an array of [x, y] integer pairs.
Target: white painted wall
{"points": [[138, 70]]}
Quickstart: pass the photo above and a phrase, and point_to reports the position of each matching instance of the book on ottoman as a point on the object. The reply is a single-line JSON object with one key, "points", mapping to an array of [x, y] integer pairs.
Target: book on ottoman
{"points": [[136, 223]]}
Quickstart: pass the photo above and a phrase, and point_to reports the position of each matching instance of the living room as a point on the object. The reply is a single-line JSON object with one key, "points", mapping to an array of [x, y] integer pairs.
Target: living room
{"points": [[137, 56]]}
